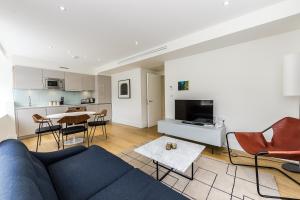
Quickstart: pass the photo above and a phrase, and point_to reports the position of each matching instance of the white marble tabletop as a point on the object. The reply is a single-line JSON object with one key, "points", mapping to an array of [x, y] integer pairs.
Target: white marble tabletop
{"points": [[179, 159], [61, 115]]}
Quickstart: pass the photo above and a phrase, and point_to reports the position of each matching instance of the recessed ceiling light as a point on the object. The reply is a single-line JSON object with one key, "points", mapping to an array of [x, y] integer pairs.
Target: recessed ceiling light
{"points": [[62, 8], [136, 43], [226, 3], [75, 57]]}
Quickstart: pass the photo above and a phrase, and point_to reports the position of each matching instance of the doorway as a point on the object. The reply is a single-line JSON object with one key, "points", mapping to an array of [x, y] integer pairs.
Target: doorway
{"points": [[155, 98]]}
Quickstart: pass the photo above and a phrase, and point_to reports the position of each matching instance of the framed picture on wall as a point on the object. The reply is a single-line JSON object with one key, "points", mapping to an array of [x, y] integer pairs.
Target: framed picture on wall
{"points": [[124, 89], [183, 85]]}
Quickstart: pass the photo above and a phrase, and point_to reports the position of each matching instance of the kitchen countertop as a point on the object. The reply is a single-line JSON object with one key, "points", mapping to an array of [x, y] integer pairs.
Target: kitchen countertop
{"points": [[65, 105]]}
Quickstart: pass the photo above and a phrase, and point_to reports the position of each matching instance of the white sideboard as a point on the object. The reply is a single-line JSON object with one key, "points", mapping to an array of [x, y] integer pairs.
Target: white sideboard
{"points": [[204, 134]]}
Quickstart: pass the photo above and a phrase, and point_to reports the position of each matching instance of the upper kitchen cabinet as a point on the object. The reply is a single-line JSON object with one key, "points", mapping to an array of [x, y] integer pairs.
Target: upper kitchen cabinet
{"points": [[88, 82], [103, 89], [22, 80], [73, 81], [53, 74]]}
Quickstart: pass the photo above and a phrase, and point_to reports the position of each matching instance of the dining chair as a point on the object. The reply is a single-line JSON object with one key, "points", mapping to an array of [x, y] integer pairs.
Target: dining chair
{"points": [[99, 120], [74, 124], [44, 126]]}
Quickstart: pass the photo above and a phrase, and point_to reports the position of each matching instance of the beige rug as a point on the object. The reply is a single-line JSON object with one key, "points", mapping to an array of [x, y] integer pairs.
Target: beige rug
{"points": [[213, 179]]}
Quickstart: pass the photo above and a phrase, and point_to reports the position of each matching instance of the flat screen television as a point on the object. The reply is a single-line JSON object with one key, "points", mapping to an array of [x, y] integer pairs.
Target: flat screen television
{"points": [[194, 111]]}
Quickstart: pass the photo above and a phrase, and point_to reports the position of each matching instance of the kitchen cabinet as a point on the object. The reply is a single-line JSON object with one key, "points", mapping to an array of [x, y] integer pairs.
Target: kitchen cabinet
{"points": [[24, 121], [88, 82], [28, 78], [53, 74], [73, 81], [103, 89]]}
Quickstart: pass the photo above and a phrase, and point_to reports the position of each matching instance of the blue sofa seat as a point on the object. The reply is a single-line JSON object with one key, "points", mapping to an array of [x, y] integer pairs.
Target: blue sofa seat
{"points": [[77, 173]]}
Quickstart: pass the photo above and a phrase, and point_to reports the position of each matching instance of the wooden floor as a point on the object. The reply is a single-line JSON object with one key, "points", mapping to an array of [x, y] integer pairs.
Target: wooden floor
{"points": [[121, 138]]}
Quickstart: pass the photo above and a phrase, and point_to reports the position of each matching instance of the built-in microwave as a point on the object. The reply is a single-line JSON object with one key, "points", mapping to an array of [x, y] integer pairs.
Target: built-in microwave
{"points": [[53, 83]]}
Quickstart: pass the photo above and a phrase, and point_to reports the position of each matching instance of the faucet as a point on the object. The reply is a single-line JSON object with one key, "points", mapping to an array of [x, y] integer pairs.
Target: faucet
{"points": [[29, 101]]}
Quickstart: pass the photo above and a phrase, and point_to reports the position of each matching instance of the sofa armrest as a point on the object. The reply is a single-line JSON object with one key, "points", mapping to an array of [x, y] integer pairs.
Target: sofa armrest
{"points": [[52, 157]]}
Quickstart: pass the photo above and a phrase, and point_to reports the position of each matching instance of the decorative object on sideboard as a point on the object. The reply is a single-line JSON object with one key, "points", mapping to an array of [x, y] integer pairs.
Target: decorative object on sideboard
{"points": [[183, 85], [291, 87], [124, 89]]}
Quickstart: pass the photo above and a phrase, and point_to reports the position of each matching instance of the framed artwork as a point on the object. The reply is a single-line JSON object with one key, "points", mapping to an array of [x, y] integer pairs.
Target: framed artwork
{"points": [[183, 85], [124, 89]]}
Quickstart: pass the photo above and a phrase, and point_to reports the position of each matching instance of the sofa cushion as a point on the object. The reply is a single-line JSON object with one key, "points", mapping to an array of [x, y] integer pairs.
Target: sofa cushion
{"points": [[139, 186], [83, 175], [22, 175]]}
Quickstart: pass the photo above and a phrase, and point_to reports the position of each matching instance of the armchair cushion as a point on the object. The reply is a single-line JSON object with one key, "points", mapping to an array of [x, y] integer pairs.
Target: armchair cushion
{"points": [[252, 142], [285, 142]]}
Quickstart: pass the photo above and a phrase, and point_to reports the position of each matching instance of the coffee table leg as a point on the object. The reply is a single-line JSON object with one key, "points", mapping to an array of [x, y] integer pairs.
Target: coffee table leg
{"points": [[157, 176], [192, 171], [171, 170]]}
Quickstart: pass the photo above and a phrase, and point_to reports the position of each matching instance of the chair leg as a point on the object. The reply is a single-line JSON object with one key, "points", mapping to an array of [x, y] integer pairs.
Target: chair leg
{"points": [[88, 139], [256, 166], [93, 134], [105, 132], [63, 142], [37, 142], [40, 140], [102, 129]]}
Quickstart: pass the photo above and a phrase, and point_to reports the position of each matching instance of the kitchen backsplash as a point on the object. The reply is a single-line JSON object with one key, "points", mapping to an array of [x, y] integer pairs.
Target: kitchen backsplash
{"points": [[42, 97]]}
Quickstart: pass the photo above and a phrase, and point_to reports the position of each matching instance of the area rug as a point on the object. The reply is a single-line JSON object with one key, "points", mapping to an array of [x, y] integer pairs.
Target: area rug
{"points": [[213, 179]]}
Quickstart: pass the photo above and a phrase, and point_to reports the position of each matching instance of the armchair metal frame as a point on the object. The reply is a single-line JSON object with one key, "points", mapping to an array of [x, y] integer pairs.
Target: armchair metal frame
{"points": [[257, 166]]}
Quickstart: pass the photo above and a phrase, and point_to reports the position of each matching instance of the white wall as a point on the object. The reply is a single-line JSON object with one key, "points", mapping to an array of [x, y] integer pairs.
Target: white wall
{"points": [[245, 82], [133, 111], [7, 118], [127, 111]]}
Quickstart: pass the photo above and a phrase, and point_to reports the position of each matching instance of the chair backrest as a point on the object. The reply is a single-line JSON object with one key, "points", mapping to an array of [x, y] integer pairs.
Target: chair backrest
{"points": [[38, 118], [286, 134], [103, 113], [76, 109], [79, 119]]}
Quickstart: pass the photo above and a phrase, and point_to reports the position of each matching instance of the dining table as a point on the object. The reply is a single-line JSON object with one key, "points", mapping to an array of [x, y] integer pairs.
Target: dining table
{"points": [[57, 116]]}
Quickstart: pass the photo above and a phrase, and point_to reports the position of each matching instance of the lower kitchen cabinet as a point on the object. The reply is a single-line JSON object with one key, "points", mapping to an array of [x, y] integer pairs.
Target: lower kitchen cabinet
{"points": [[24, 121]]}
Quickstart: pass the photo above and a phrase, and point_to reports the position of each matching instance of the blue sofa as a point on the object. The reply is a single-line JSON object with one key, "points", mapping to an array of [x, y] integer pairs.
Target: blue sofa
{"points": [[74, 174]]}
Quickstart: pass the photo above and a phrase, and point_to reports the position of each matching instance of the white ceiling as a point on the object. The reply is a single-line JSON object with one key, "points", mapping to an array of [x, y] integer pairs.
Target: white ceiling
{"points": [[102, 31]]}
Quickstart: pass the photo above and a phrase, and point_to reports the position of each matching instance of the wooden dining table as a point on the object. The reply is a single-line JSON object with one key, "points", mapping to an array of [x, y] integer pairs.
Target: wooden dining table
{"points": [[73, 140]]}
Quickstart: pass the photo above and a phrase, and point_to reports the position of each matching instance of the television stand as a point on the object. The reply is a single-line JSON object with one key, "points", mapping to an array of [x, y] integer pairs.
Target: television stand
{"points": [[207, 134]]}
